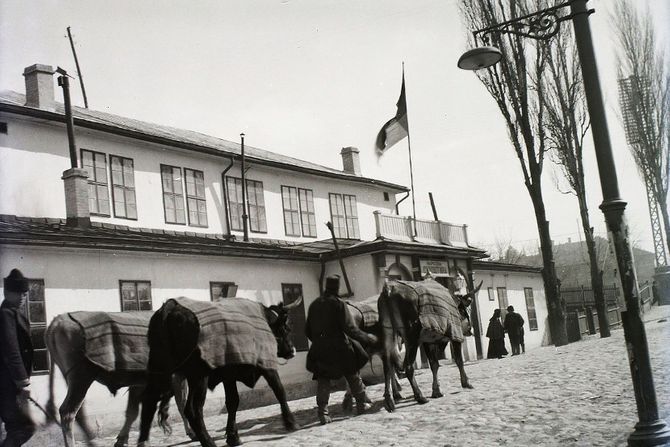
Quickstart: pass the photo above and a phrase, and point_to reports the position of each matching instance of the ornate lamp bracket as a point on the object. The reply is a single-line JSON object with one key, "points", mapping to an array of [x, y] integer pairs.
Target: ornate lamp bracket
{"points": [[540, 25]]}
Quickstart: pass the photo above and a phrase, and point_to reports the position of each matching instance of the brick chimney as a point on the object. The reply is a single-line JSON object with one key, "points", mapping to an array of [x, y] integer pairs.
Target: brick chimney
{"points": [[76, 197], [39, 86], [350, 161]]}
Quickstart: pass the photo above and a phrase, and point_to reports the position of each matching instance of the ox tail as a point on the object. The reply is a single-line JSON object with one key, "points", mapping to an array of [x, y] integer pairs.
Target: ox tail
{"points": [[390, 327], [51, 412], [163, 414]]}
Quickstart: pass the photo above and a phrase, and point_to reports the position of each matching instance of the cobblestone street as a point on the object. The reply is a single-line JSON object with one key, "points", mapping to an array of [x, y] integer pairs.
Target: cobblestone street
{"points": [[576, 395]]}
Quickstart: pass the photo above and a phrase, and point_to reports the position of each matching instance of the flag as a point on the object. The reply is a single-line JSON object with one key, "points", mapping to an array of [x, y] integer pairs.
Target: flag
{"points": [[396, 128]]}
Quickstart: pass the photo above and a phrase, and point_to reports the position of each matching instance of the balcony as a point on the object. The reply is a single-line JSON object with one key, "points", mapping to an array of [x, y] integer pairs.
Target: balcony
{"points": [[400, 228]]}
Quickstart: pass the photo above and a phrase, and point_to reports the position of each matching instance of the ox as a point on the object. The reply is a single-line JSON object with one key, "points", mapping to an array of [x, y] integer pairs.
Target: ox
{"points": [[80, 343], [208, 343], [425, 313]]}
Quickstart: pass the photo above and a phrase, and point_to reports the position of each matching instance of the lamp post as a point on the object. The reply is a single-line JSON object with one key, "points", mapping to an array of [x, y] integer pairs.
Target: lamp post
{"points": [[544, 24]]}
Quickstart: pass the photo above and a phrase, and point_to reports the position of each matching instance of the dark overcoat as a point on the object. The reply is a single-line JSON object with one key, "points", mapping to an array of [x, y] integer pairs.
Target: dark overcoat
{"points": [[513, 325], [496, 335], [336, 348], [16, 349]]}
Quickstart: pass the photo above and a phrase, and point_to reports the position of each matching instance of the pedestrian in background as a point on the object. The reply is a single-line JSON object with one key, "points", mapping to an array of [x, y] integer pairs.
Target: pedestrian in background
{"points": [[16, 358], [514, 326], [496, 336], [336, 349]]}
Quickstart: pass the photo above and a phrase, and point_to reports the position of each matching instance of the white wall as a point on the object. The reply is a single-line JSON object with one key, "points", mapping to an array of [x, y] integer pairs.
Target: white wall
{"points": [[35, 154], [515, 282]]}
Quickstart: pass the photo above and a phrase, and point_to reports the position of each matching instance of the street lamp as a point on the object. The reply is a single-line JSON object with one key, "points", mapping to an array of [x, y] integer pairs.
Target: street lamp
{"points": [[543, 25]]}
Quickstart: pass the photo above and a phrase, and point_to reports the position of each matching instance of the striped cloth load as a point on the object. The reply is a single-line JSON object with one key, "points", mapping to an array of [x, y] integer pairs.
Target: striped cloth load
{"points": [[115, 341], [368, 309], [233, 331]]}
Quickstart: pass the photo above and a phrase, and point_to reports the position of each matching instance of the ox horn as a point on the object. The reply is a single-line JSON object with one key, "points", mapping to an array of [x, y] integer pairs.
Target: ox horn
{"points": [[294, 304]]}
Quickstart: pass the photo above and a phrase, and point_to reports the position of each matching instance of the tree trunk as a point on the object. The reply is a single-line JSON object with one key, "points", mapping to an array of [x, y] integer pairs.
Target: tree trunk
{"points": [[596, 273], [555, 305]]}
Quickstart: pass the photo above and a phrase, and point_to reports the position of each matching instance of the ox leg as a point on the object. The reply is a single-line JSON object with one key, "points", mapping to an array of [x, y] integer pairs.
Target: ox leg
{"points": [[395, 385], [197, 392], [232, 403], [272, 377], [389, 376], [180, 390], [78, 384], [150, 401], [432, 354], [347, 400], [132, 411], [458, 358], [410, 357]]}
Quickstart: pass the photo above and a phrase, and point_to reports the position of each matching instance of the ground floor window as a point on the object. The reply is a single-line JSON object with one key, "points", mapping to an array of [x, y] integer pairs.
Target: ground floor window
{"points": [[135, 295], [36, 312], [290, 293], [219, 290], [530, 307]]}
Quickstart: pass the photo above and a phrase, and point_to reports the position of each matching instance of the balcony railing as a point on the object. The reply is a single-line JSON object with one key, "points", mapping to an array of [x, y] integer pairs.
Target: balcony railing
{"points": [[400, 228]]}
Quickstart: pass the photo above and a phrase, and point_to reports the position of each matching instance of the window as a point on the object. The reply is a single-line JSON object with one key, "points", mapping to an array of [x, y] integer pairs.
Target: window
{"points": [[173, 197], [195, 197], [530, 307], [123, 187], [219, 290], [289, 198], [386, 196], [135, 295], [491, 295], [98, 194], [290, 293], [255, 201], [37, 316], [344, 215], [307, 212], [502, 302]]}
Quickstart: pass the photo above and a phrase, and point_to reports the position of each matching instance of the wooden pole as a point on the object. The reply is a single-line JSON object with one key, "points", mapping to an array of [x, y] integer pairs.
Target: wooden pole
{"points": [[339, 257], [432, 205], [76, 62]]}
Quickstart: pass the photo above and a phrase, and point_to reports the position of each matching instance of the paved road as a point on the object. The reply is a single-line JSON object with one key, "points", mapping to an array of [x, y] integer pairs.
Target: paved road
{"points": [[575, 395]]}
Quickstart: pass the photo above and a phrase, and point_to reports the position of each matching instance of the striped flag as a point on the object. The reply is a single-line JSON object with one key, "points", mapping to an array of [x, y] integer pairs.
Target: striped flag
{"points": [[396, 128]]}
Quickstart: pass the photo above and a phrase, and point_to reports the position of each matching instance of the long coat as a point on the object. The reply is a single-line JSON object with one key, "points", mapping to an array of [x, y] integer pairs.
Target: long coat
{"points": [[496, 335], [16, 349], [513, 325], [335, 349]]}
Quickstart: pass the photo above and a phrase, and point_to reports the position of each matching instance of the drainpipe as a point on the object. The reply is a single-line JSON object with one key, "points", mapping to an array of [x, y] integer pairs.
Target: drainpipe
{"points": [[225, 195], [399, 202], [245, 225]]}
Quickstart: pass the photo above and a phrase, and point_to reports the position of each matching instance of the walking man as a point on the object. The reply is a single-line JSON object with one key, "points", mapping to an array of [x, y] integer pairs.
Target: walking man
{"points": [[16, 358], [513, 326], [336, 349]]}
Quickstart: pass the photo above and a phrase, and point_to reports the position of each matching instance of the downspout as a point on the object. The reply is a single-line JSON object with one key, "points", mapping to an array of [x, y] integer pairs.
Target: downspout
{"points": [[399, 202], [225, 195]]}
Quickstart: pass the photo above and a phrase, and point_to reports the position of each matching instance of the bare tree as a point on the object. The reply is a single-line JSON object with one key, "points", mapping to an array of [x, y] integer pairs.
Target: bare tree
{"points": [[504, 251], [511, 84], [643, 64], [567, 123]]}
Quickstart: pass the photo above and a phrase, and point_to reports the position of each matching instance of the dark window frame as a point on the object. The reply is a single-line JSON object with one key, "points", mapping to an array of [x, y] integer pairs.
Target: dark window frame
{"points": [[174, 194], [195, 197], [93, 180], [136, 282], [294, 213], [532, 319], [123, 186], [251, 185], [309, 214], [491, 295], [220, 284], [300, 341], [40, 326], [346, 223]]}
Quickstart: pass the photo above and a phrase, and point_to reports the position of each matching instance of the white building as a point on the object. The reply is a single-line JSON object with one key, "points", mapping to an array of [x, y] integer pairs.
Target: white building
{"points": [[139, 213]]}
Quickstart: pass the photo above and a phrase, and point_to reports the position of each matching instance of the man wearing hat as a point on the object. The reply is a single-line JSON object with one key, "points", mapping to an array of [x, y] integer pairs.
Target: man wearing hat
{"points": [[335, 349], [16, 358], [514, 327]]}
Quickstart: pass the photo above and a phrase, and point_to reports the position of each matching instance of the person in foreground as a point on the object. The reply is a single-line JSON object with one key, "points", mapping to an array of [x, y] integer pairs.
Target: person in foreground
{"points": [[16, 358], [336, 349]]}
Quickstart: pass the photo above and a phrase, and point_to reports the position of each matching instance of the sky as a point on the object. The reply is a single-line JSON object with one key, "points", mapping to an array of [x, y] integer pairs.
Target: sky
{"points": [[305, 78]]}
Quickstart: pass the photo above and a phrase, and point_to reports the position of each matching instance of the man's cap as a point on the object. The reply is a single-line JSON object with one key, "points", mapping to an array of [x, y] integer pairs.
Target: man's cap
{"points": [[510, 308], [332, 285], [16, 282]]}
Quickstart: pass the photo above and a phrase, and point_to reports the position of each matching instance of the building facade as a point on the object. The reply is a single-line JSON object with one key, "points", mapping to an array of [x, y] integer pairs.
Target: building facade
{"points": [[129, 214]]}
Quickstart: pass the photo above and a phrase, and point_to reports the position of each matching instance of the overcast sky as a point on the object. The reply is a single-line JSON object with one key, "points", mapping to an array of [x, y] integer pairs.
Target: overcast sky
{"points": [[307, 77]]}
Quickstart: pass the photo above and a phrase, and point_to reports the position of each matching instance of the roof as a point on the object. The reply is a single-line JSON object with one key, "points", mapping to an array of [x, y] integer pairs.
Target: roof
{"points": [[52, 232], [505, 267], [14, 102]]}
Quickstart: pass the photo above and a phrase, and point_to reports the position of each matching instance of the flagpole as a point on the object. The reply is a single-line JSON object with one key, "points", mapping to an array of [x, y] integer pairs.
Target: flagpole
{"points": [[409, 149]]}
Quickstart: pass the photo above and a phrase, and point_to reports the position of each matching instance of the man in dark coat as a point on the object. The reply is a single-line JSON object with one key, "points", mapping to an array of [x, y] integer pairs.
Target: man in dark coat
{"points": [[16, 357], [335, 349], [513, 326]]}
